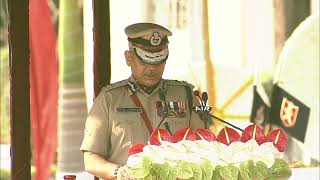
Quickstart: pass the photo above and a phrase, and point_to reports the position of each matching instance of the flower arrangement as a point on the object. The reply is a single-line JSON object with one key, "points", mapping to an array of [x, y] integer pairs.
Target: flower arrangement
{"points": [[200, 155]]}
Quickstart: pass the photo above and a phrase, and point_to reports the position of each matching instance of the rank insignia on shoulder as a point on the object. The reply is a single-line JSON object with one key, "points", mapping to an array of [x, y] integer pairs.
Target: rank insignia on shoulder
{"points": [[130, 109], [175, 109], [179, 83]]}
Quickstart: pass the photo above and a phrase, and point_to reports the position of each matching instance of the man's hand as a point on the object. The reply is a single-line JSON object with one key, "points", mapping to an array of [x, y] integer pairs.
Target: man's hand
{"points": [[123, 173]]}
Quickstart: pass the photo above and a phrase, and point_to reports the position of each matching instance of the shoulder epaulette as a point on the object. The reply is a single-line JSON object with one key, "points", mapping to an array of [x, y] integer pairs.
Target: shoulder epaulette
{"points": [[179, 83], [115, 85]]}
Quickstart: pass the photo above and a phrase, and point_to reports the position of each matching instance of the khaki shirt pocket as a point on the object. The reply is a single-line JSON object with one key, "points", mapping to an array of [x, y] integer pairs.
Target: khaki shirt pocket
{"points": [[125, 125]]}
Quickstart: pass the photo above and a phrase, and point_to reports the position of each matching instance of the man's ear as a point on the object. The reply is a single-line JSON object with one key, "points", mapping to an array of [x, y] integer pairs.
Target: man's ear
{"points": [[128, 57]]}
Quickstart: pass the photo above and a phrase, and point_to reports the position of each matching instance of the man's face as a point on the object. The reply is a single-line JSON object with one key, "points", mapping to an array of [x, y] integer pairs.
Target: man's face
{"points": [[145, 74]]}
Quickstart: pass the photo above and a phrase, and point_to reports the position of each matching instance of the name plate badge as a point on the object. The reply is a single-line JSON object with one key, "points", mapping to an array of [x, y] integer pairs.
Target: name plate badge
{"points": [[130, 109]]}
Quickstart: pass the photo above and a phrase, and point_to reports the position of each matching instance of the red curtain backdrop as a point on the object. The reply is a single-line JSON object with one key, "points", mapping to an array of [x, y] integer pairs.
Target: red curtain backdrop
{"points": [[43, 87]]}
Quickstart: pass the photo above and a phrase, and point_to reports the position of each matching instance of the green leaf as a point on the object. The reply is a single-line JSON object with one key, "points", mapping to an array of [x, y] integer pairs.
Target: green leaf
{"points": [[279, 170], [207, 170], [155, 168], [262, 170], [146, 163], [244, 173], [229, 172], [215, 174], [164, 171], [184, 170], [138, 173], [173, 174], [258, 172], [251, 168], [143, 170], [149, 177], [197, 172]]}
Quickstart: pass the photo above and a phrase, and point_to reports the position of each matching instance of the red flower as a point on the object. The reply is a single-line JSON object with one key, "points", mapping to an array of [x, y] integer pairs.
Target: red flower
{"points": [[158, 135], [278, 138], [205, 134], [253, 132], [183, 134], [228, 135], [135, 149]]}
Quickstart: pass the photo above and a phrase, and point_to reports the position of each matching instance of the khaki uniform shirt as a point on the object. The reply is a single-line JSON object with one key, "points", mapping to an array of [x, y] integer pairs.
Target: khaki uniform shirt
{"points": [[114, 123]]}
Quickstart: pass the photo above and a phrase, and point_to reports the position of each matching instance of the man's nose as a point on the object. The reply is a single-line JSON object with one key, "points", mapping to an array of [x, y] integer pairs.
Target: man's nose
{"points": [[152, 66]]}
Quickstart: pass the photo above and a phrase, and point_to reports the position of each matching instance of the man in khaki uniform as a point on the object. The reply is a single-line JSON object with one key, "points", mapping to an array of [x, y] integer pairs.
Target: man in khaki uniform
{"points": [[116, 120]]}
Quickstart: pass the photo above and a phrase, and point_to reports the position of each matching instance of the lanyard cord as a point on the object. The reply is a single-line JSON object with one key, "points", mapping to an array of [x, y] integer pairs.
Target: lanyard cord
{"points": [[143, 114]]}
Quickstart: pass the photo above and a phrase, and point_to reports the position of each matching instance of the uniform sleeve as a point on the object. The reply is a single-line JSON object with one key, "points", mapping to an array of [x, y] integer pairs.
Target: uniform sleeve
{"points": [[96, 134]]}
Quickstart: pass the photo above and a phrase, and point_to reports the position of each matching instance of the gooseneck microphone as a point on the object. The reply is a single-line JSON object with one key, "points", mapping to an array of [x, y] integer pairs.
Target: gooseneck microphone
{"points": [[204, 98], [202, 105], [205, 109], [197, 94]]}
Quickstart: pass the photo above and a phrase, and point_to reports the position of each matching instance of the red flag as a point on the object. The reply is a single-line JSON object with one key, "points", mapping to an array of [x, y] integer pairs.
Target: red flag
{"points": [[43, 87]]}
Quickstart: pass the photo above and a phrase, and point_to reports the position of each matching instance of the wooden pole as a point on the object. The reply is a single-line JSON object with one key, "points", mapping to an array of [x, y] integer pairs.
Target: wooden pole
{"points": [[279, 26], [210, 71], [19, 89], [288, 14], [101, 37], [102, 51]]}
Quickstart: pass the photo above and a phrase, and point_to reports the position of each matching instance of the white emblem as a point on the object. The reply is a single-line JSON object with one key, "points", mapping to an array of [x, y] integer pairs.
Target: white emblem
{"points": [[155, 39]]}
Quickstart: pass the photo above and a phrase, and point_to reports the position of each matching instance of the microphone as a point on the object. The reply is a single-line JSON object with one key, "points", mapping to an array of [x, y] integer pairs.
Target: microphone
{"points": [[197, 94], [203, 102], [202, 107], [205, 109], [204, 98]]}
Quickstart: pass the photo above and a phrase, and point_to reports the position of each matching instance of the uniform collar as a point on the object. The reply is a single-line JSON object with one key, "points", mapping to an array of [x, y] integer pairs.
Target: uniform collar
{"points": [[134, 87]]}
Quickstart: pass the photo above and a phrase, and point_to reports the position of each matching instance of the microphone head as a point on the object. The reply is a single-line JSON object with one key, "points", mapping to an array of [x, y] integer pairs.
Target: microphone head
{"points": [[204, 96], [196, 93]]}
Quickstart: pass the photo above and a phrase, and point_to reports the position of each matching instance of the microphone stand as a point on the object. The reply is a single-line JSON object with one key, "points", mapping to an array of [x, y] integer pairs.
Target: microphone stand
{"points": [[163, 117], [221, 120], [166, 108], [203, 102]]}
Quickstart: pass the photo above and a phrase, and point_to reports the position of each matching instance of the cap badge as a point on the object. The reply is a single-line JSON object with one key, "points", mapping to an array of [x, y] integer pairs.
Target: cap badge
{"points": [[155, 39]]}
